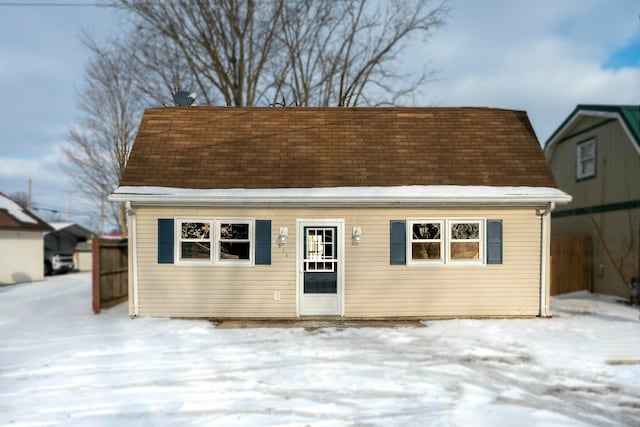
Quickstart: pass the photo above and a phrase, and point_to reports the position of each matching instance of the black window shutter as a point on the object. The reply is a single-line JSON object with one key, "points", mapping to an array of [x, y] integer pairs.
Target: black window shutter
{"points": [[263, 242], [165, 241], [494, 241], [398, 238]]}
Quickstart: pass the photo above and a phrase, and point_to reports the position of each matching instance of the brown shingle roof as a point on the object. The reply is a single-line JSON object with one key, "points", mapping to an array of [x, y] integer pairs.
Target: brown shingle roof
{"points": [[10, 222], [270, 147]]}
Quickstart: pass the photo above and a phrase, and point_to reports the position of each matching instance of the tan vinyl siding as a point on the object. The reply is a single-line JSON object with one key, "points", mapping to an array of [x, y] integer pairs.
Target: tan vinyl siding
{"points": [[373, 287]]}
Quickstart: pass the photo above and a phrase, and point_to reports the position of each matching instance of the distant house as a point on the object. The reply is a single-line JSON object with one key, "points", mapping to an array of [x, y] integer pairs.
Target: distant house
{"points": [[21, 243], [595, 157], [346, 212]]}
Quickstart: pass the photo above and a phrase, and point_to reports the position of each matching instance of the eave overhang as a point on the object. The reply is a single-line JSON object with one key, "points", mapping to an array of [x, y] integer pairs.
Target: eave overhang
{"points": [[404, 196]]}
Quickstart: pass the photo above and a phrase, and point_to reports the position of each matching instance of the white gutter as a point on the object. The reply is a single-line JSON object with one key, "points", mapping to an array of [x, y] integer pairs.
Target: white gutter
{"points": [[338, 197], [134, 255], [544, 256]]}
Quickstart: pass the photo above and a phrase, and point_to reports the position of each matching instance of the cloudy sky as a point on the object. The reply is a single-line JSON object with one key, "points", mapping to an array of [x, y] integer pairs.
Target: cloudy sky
{"points": [[542, 56]]}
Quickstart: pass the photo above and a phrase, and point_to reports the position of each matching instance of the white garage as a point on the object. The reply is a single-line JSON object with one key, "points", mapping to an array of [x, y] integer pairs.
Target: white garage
{"points": [[21, 243]]}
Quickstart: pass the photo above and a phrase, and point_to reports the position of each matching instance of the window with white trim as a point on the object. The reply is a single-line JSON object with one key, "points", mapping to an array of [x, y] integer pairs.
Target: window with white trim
{"points": [[465, 243], [586, 159], [215, 241], [233, 241], [445, 241], [194, 240], [426, 243]]}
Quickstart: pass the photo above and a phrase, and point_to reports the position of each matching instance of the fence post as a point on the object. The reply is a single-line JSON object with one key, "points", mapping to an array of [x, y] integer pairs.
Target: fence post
{"points": [[95, 274]]}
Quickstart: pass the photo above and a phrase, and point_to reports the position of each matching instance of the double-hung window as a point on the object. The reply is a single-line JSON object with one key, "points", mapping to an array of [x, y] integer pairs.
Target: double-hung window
{"points": [[465, 243], [215, 241], [586, 159], [233, 241], [426, 241], [194, 240], [445, 241]]}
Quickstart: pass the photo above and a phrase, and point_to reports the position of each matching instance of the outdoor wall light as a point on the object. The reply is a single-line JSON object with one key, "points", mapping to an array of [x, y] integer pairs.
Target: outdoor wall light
{"points": [[357, 231], [282, 237]]}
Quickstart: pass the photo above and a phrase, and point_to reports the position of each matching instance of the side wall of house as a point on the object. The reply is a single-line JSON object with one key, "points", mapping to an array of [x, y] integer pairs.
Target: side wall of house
{"points": [[373, 287], [615, 233], [21, 256]]}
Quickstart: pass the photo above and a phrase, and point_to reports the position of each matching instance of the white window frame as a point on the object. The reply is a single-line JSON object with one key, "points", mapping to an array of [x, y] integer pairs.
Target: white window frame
{"points": [[480, 240], [178, 242], [251, 240], [580, 159], [411, 240], [446, 240]]}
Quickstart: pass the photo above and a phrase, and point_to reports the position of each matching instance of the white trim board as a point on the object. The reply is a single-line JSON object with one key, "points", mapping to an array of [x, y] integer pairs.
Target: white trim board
{"points": [[413, 195]]}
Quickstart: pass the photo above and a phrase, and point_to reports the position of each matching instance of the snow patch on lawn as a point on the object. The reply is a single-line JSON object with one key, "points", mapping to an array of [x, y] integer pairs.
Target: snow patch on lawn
{"points": [[61, 365]]}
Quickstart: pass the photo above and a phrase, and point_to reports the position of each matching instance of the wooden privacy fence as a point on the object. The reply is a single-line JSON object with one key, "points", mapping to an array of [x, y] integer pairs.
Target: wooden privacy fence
{"points": [[110, 273], [571, 260]]}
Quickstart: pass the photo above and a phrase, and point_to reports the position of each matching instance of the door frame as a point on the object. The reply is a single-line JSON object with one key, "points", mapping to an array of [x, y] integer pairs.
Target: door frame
{"points": [[301, 223]]}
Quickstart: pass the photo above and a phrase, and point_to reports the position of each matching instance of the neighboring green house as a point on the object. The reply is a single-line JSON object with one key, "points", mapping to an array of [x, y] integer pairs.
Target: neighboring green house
{"points": [[595, 157]]}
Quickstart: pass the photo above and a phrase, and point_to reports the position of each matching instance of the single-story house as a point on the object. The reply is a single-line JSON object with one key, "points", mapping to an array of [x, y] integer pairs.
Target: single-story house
{"points": [[595, 156], [346, 212], [21, 243]]}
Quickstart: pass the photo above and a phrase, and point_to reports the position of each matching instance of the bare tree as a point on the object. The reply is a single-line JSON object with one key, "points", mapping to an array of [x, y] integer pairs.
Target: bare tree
{"points": [[21, 198], [347, 53], [98, 146], [310, 52], [225, 44], [240, 53]]}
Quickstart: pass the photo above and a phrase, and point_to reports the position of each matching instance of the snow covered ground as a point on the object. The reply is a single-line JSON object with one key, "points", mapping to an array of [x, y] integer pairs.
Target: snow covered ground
{"points": [[61, 365]]}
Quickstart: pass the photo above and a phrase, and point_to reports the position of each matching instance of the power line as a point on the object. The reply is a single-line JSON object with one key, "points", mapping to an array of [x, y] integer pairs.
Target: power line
{"points": [[49, 4], [54, 209]]}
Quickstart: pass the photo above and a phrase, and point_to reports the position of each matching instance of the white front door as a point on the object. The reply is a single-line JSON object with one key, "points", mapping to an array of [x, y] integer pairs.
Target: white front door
{"points": [[320, 267]]}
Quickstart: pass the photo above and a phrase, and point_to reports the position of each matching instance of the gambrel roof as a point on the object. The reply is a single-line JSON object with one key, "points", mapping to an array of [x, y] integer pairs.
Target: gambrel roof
{"points": [[303, 147], [627, 115]]}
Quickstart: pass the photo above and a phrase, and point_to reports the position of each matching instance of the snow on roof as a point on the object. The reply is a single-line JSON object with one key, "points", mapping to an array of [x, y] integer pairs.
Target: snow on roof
{"points": [[15, 210], [60, 225], [72, 228], [455, 194]]}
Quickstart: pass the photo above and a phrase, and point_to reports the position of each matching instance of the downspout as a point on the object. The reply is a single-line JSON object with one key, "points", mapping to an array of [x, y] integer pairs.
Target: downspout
{"points": [[544, 257], [134, 255]]}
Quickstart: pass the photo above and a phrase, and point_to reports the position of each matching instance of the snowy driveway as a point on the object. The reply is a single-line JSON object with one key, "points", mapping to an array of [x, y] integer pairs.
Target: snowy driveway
{"points": [[61, 365]]}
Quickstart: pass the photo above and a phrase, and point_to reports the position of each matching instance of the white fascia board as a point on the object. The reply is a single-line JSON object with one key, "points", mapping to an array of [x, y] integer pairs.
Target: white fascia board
{"points": [[549, 149], [344, 196]]}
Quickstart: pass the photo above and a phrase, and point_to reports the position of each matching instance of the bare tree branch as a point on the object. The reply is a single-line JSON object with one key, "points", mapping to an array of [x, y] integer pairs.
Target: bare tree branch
{"points": [[98, 147], [312, 52]]}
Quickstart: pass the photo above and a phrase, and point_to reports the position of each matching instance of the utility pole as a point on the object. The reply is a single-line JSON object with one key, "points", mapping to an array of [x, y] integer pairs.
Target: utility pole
{"points": [[29, 196], [68, 205]]}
